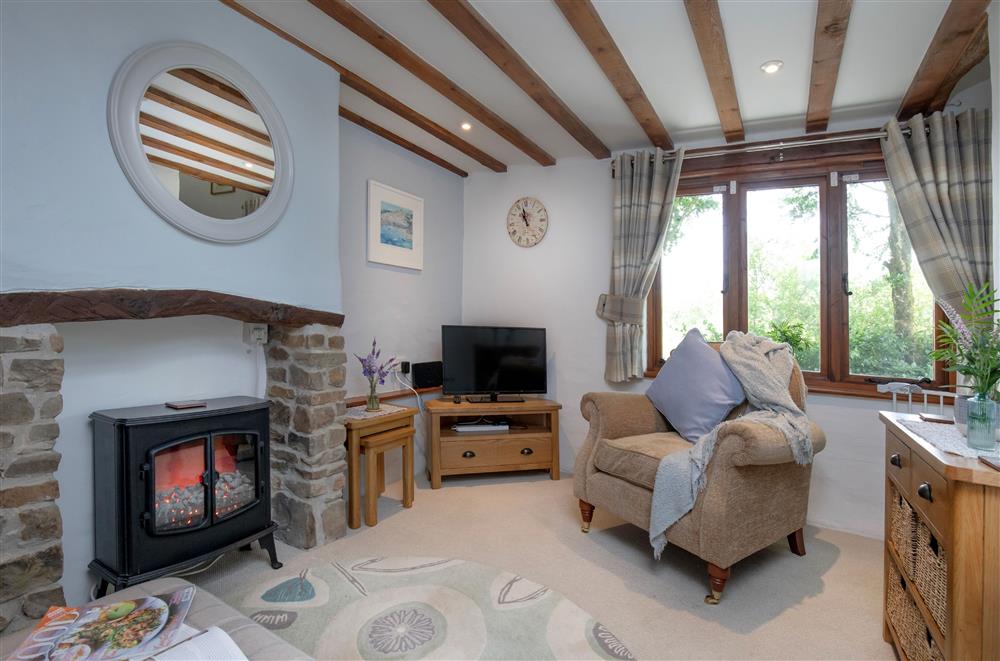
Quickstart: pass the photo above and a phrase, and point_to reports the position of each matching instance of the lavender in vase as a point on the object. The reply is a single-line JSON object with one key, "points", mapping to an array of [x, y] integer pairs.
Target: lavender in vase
{"points": [[375, 373]]}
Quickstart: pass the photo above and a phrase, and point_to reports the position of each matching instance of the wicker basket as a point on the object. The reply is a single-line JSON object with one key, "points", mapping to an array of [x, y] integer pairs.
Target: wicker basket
{"points": [[931, 575], [911, 631], [903, 529]]}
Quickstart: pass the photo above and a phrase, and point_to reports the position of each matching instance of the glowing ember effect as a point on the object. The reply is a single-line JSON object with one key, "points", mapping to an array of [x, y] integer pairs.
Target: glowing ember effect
{"points": [[181, 507]]}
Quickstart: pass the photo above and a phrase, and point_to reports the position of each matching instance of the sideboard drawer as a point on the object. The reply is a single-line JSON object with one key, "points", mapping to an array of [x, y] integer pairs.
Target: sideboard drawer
{"points": [[515, 451], [472, 453], [929, 494], [897, 462]]}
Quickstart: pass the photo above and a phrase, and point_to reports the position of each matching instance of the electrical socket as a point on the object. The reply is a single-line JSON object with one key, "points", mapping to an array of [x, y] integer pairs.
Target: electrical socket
{"points": [[254, 333], [398, 366]]}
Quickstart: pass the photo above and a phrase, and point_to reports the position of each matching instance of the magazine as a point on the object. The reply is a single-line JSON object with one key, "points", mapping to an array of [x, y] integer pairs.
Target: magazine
{"points": [[212, 643], [133, 628]]}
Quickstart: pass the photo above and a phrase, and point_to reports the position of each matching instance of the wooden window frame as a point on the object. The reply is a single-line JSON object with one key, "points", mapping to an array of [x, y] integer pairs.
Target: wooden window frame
{"points": [[834, 375]]}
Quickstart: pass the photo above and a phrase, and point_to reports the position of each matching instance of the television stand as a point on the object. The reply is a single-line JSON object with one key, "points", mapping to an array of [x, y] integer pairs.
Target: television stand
{"points": [[530, 443], [493, 398]]}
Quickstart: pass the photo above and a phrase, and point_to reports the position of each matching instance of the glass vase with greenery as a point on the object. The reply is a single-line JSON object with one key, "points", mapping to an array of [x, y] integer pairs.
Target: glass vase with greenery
{"points": [[376, 373], [969, 344]]}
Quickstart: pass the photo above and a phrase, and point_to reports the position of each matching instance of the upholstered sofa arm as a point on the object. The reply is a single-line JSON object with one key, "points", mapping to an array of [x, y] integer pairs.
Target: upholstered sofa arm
{"points": [[749, 443], [620, 414]]}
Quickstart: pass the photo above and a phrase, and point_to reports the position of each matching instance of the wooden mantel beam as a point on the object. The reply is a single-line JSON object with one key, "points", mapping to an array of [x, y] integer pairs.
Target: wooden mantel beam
{"points": [[957, 30], [352, 19], [399, 140], [706, 23], [832, 17], [462, 15], [587, 23]]}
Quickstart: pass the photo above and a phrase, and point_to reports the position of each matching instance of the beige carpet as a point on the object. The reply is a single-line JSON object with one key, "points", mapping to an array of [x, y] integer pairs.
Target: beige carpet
{"points": [[826, 605]]}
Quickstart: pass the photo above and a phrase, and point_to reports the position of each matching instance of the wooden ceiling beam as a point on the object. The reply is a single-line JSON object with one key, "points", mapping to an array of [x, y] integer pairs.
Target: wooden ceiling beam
{"points": [[203, 81], [170, 148], [376, 94], [190, 109], [706, 23], [399, 140], [153, 122], [975, 52], [832, 17], [462, 15], [203, 175], [587, 23], [957, 29], [345, 14]]}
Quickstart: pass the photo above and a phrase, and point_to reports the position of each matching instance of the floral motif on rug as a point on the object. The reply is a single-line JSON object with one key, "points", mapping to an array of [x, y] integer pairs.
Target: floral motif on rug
{"points": [[423, 608]]}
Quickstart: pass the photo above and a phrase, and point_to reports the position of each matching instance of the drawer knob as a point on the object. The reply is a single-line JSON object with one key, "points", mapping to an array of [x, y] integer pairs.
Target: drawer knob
{"points": [[527, 451], [468, 454], [924, 491], [896, 460]]}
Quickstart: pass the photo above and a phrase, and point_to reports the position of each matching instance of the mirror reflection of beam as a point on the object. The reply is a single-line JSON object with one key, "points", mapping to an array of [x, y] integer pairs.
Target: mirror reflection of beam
{"points": [[193, 110], [207, 83], [203, 175], [163, 125], [170, 148]]}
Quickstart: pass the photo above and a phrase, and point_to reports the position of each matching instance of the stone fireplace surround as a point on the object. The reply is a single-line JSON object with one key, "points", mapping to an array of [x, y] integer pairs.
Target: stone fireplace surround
{"points": [[306, 371]]}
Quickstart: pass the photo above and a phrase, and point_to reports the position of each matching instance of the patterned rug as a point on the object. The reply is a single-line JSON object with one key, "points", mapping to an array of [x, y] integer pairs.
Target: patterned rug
{"points": [[424, 608]]}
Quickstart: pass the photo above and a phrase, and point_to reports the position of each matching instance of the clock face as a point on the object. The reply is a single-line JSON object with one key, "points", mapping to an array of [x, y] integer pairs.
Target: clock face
{"points": [[527, 222]]}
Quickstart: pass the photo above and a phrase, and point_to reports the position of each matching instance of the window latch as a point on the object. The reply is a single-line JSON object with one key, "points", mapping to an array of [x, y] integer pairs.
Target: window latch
{"points": [[843, 282], [725, 284]]}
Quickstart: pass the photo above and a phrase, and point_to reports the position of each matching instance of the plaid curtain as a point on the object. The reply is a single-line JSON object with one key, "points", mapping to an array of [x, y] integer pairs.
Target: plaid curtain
{"points": [[645, 185], [942, 178]]}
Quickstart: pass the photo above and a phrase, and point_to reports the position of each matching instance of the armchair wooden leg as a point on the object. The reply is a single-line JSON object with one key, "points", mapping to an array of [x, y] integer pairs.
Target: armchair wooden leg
{"points": [[587, 514], [797, 542], [717, 577]]}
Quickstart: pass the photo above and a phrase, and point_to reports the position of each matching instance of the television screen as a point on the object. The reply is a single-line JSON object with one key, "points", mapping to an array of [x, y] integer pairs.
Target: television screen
{"points": [[489, 359]]}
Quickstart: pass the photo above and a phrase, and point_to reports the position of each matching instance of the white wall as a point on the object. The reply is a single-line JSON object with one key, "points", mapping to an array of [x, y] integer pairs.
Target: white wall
{"points": [[556, 285], [68, 216], [403, 308]]}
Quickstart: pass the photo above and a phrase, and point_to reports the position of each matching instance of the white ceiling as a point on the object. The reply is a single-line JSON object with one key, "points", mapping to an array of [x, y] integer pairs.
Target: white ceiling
{"points": [[885, 42]]}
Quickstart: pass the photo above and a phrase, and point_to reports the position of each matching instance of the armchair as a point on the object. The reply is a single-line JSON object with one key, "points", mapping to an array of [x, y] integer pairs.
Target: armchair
{"points": [[754, 493]]}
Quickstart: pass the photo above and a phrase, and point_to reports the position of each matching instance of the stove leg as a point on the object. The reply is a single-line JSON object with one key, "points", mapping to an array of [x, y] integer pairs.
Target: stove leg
{"points": [[102, 588], [267, 543], [246, 547]]}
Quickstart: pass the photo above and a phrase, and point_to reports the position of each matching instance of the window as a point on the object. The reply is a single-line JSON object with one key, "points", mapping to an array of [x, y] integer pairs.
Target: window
{"points": [[820, 260]]}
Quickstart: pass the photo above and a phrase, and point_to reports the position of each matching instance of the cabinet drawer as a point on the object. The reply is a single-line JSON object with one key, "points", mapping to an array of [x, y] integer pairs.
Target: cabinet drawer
{"points": [[930, 495], [898, 462], [470, 453], [513, 451]]}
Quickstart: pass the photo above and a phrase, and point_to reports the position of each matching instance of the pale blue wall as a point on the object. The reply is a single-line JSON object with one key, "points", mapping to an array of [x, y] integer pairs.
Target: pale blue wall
{"points": [[68, 216]]}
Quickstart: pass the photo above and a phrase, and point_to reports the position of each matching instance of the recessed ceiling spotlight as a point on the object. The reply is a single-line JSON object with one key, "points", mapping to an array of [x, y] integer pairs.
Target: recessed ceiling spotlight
{"points": [[466, 126], [248, 165], [771, 66]]}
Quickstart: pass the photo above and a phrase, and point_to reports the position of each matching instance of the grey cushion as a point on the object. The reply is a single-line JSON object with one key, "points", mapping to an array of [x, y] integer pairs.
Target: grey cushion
{"points": [[695, 389]]}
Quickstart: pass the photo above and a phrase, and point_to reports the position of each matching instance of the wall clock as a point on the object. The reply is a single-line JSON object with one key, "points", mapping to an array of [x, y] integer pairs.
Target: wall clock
{"points": [[527, 222]]}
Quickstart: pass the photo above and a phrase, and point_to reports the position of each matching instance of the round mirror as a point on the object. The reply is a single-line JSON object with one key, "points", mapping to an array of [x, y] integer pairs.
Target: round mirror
{"points": [[200, 141]]}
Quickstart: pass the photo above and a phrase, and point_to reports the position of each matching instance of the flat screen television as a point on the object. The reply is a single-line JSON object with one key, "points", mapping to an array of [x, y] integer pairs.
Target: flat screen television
{"points": [[493, 360]]}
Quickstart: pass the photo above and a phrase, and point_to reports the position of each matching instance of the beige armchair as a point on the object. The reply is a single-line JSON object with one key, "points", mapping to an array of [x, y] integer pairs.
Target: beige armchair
{"points": [[755, 493]]}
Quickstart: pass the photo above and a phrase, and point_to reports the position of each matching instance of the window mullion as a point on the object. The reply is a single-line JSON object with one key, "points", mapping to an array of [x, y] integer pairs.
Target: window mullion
{"points": [[836, 272]]}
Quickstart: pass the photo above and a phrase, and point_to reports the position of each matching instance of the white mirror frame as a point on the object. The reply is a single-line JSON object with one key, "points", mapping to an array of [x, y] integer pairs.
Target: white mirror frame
{"points": [[124, 99]]}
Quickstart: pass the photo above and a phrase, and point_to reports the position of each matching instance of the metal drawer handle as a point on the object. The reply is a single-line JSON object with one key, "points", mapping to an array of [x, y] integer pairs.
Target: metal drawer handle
{"points": [[468, 454], [924, 491], [527, 451], [895, 460]]}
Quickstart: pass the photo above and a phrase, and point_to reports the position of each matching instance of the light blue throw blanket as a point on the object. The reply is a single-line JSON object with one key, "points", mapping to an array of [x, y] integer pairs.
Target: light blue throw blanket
{"points": [[764, 368]]}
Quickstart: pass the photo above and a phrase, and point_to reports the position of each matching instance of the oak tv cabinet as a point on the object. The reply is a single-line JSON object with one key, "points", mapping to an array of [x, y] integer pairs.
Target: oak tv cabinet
{"points": [[531, 443]]}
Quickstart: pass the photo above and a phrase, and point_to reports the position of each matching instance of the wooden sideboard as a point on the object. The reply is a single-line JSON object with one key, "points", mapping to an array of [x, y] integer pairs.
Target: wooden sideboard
{"points": [[942, 550], [531, 443]]}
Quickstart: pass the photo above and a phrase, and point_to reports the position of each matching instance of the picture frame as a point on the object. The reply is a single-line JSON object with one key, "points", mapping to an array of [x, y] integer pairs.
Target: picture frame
{"points": [[220, 189], [395, 227]]}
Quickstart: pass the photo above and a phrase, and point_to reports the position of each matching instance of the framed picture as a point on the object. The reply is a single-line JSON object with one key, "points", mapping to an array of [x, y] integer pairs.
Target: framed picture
{"points": [[221, 189], [395, 227]]}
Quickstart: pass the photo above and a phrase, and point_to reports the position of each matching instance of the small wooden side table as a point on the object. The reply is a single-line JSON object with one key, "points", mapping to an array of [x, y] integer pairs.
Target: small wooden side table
{"points": [[374, 435]]}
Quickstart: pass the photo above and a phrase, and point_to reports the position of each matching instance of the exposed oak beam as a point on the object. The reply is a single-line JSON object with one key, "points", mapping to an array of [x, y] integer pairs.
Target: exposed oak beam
{"points": [[376, 94], [706, 23], [399, 140], [215, 119], [832, 17], [345, 14], [587, 24], [476, 29], [153, 122], [204, 176], [170, 148], [957, 28], [974, 53], [203, 81]]}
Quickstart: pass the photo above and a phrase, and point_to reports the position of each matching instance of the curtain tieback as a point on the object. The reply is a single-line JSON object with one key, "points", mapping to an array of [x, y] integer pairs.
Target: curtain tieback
{"points": [[622, 309]]}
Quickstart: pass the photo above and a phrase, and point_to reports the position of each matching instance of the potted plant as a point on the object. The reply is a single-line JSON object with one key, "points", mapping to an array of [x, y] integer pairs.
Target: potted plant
{"points": [[969, 344], [375, 373]]}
